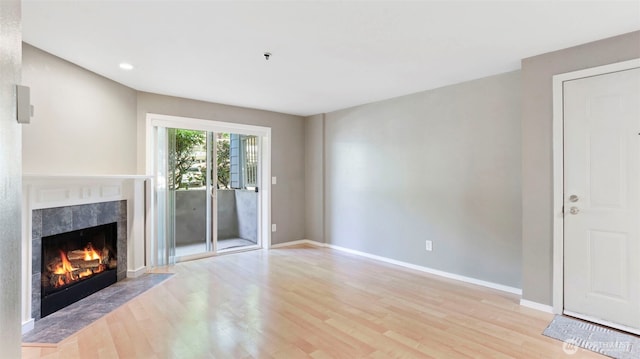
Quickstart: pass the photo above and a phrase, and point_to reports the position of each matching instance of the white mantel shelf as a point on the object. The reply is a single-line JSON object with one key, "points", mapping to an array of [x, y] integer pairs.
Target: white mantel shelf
{"points": [[44, 190], [56, 190]]}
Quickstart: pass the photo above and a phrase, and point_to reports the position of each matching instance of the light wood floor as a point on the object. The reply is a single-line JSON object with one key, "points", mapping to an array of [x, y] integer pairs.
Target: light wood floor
{"points": [[303, 302]]}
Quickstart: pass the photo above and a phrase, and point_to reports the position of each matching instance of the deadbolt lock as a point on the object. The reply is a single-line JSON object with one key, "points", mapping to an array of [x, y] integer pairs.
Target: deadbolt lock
{"points": [[573, 198]]}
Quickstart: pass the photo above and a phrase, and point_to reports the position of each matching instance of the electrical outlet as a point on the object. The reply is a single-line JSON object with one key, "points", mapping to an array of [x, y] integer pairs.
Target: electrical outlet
{"points": [[273, 227], [274, 180], [429, 245]]}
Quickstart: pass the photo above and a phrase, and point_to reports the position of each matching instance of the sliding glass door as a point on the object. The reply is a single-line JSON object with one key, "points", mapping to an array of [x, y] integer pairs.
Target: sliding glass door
{"points": [[237, 191], [207, 192]]}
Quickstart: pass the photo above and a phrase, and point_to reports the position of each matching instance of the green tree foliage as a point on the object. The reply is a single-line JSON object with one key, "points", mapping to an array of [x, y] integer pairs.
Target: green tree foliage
{"points": [[223, 149], [181, 154], [184, 144]]}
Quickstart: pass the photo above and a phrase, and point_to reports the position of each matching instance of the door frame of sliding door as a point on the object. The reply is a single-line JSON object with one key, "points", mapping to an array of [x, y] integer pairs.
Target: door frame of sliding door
{"points": [[154, 121]]}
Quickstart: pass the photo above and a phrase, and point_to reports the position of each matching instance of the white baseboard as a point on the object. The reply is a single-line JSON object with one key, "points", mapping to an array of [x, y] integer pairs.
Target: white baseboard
{"points": [[28, 326], [298, 242], [440, 273], [537, 306], [137, 272]]}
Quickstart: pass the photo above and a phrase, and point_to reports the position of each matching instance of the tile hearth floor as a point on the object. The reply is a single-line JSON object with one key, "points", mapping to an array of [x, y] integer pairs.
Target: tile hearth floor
{"points": [[63, 323]]}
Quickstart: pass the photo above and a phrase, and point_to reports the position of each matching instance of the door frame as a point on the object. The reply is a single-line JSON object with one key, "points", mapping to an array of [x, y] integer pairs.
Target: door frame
{"points": [[264, 133], [558, 168]]}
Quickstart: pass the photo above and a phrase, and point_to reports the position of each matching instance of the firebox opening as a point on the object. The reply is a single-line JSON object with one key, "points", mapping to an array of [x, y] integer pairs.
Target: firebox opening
{"points": [[77, 264]]}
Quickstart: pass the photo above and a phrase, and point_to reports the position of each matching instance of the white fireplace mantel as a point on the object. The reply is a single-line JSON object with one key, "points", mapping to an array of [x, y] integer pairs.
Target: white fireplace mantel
{"points": [[46, 191], [57, 190]]}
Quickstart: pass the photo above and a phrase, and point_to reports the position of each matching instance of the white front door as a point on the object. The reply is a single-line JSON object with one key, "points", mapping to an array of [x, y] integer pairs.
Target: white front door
{"points": [[602, 198]]}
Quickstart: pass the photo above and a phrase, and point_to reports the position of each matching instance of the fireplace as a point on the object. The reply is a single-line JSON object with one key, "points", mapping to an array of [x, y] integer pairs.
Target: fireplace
{"points": [[77, 264], [103, 225], [57, 203]]}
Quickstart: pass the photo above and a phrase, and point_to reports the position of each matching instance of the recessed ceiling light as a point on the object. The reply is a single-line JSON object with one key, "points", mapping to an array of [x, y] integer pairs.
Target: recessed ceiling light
{"points": [[126, 66]]}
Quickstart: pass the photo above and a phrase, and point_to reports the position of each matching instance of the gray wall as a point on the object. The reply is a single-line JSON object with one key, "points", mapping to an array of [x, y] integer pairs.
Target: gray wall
{"points": [[10, 180], [287, 152], [83, 124], [537, 160], [314, 175], [442, 165]]}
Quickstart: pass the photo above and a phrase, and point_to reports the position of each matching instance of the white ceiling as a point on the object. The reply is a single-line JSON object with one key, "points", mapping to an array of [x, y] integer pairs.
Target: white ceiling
{"points": [[326, 55]]}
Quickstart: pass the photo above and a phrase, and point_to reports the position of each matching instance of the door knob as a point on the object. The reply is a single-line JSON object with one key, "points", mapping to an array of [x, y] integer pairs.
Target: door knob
{"points": [[574, 210], [573, 198]]}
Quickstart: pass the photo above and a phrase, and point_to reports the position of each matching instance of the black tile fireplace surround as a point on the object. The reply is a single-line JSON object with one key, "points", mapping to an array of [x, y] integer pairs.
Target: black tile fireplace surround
{"points": [[51, 221]]}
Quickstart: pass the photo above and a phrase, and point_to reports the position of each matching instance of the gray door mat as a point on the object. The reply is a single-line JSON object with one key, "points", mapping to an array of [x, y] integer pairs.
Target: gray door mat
{"points": [[596, 338]]}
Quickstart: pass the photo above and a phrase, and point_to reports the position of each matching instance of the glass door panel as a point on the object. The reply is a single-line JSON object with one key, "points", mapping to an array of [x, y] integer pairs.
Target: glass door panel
{"points": [[236, 212], [188, 191], [165, 249]]}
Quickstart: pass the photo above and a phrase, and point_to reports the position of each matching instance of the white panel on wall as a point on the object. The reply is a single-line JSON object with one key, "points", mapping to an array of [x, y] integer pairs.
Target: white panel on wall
{"points": [[50, 195], [110, 190]]}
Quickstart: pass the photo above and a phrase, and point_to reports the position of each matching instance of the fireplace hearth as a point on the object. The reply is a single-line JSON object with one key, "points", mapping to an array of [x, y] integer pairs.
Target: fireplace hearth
{"points": [[77, 264]]}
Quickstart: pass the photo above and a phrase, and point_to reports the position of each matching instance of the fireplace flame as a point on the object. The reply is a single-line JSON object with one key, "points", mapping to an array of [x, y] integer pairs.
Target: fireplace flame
{"points": [[65, 266], [86, 273], [90, 253], [77, 264], [65, 270]]}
